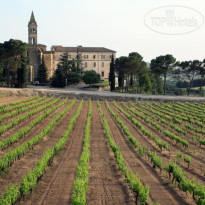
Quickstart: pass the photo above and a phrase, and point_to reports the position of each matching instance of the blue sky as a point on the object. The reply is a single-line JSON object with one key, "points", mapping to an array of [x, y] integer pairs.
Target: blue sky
{"points": [[115, 24]]}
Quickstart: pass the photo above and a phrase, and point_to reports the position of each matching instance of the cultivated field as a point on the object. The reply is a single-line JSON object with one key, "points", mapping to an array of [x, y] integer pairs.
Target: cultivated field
{"points": [[62, 151]]}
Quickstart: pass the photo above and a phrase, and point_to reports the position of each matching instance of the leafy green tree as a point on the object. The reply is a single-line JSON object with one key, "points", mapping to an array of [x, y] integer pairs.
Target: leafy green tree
{"points": [[136, 69], [145, 84], [163, 65], [112, 74], [65, 64], [121, 65], [202, 74], [42, 72], [156, 83], [1, 71], [73, 78], [22, 73], [10, 55], [59, 78], [91, 77], [189, 70]]}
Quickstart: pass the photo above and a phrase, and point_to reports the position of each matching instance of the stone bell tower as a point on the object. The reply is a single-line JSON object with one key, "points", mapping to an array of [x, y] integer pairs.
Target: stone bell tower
{"points": [[32, 31], [34, 50]]}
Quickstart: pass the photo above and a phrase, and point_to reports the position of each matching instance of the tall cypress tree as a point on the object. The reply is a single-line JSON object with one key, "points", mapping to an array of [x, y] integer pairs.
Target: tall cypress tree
{"points": [[112, 74], [42, 72], [22, 73]]}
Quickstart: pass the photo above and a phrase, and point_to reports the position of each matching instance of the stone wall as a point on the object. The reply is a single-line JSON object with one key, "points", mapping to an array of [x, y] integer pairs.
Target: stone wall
{"points": [[95, 95]]}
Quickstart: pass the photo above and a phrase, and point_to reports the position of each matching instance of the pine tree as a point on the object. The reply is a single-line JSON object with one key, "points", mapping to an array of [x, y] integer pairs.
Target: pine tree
{"points": [[42, 72], [59, 78], [112, 74]]}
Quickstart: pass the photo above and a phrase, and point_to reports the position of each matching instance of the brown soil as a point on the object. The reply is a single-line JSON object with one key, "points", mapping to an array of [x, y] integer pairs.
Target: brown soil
{"points": [[27, 162], [56, 185], [10, 99], [33, 132], [106, 185], [6, 121], [160, 190], [8, 133], [194, 170]]}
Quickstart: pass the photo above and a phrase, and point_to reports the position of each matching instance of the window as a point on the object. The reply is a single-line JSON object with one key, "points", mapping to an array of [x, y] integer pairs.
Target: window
{"points": [[86, 64], [102, 73], [85, 56], [110, 56], [33, 29], [94, 56], [102, 56], [94, 64], [79, 56], [102, 64], [33, 41]]}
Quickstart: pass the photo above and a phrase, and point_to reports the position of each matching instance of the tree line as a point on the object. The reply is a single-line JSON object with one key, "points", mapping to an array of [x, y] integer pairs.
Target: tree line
{"points": [[14, 68], [135, 75]]}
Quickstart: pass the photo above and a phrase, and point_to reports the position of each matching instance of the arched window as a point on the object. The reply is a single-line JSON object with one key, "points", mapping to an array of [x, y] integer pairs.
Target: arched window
{"points": [[33, 41]]}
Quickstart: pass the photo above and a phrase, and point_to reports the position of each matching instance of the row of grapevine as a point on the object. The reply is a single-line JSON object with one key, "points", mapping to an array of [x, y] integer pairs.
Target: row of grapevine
{"points": [[161, 144], [142, 192], [197, 190], [188, 112], [27, 184], [80, 184], [155, 160], [20, 133], [164, 108], [23, 104], [4, 95], [166, 132], [33, 111], [8, 159], [16, 103], [24, 109], [178, 139], [163, 119], [125, 129]]}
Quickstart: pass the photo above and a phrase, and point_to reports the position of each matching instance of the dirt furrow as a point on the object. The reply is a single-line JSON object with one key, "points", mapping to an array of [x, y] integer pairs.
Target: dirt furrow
{"points": [[160, 190], [106, 185], [10, 99], [55, 187], [27, 162], [194, 170], [35, 130]]}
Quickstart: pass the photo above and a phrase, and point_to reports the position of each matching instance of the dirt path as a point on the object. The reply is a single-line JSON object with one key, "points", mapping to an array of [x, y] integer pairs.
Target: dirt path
{"points": [[56, 185], [21, 167], [160, 191], [106, 184]]}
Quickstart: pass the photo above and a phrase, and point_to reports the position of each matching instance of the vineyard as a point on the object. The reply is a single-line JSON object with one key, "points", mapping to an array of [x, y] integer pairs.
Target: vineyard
{"points": [[64, 151]]}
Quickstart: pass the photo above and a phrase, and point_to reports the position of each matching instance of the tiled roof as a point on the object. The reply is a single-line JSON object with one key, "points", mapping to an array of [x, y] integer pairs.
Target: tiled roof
{"points": [[80, 49]]}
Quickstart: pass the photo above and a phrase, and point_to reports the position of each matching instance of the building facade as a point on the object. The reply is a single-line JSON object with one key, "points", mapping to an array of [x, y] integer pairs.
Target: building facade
{"points": [[92, 58]]}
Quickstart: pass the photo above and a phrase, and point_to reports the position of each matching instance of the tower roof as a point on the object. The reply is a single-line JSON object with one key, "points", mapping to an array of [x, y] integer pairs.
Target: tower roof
{"points": [[32, 19]]}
